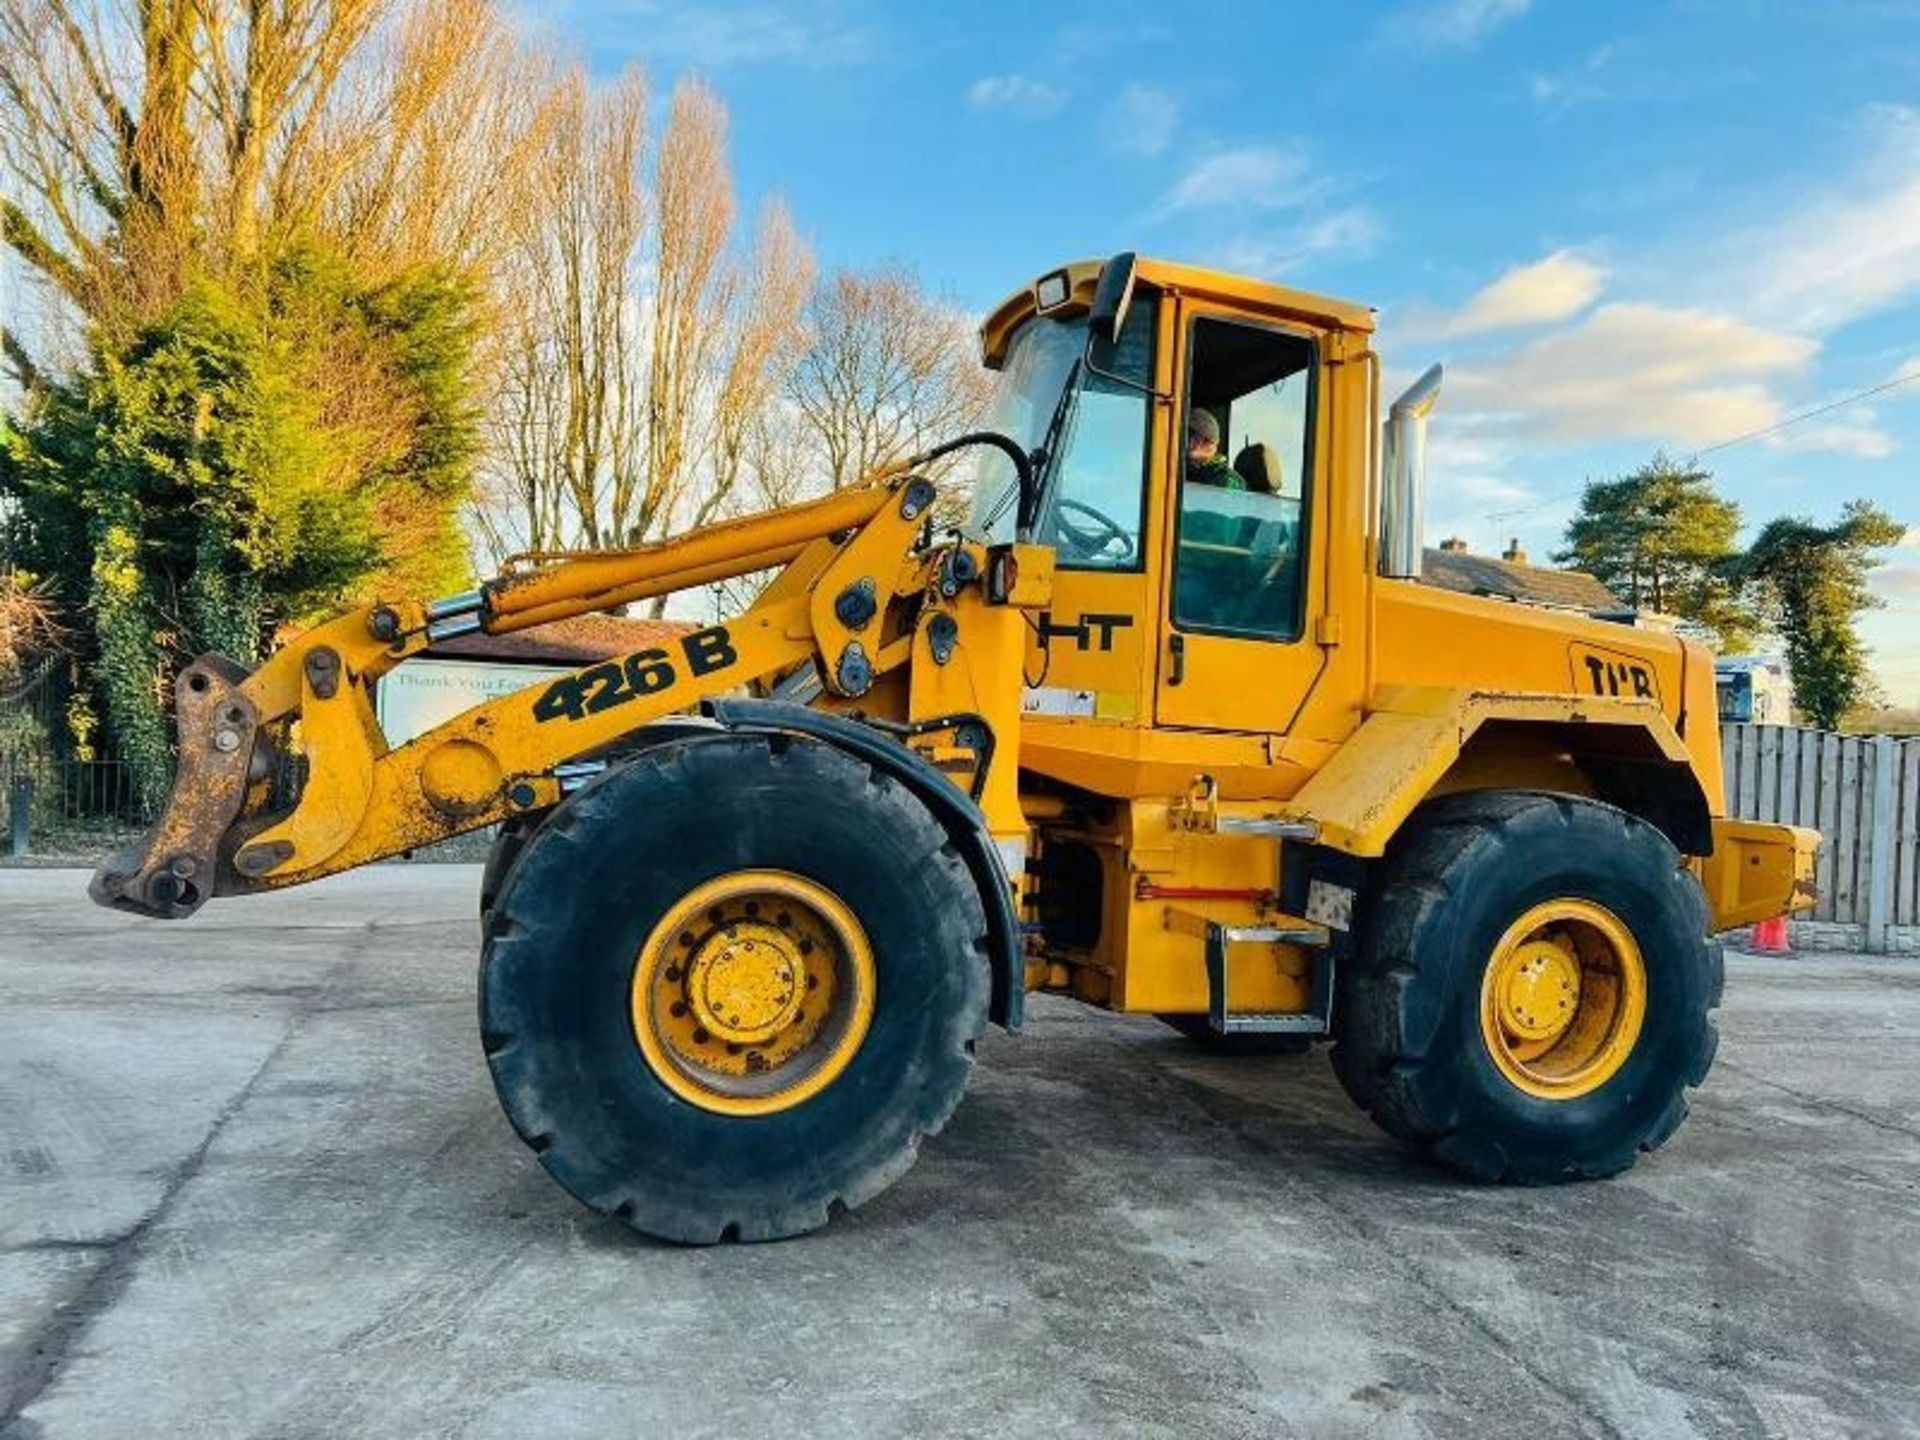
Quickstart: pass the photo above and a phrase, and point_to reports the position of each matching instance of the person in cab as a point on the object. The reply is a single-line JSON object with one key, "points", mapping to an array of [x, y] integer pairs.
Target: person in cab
{"points": [[1205, 464]]}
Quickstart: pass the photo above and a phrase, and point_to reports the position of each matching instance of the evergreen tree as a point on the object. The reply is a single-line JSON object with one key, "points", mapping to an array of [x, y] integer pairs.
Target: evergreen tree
{"points": [[1812, 584], [1662, 540], [273, 446]]}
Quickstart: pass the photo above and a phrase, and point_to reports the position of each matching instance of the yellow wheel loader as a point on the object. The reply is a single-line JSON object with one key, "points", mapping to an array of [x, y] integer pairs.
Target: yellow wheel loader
{"points": [[1171, 724]]}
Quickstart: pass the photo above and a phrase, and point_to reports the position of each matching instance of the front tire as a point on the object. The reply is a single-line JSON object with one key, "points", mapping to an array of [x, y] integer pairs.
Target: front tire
{"points": [[1531, 995], [508, 843], [731, 985]]}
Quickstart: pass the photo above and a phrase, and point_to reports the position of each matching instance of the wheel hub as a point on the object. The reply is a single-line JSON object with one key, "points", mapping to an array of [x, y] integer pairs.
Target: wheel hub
{"points": [[1539, 990], [1563, 999], [746, 982], [753, 992]]}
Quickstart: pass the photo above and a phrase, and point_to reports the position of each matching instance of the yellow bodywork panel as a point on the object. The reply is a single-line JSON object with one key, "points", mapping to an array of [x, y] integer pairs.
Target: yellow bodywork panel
{"points": [[1757, 871], [1159, 878], [1362, 796]]}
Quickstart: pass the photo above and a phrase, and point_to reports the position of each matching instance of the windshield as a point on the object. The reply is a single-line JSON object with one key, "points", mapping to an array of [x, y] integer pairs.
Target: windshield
{"points": [[1094, 484], [1026, 390]]}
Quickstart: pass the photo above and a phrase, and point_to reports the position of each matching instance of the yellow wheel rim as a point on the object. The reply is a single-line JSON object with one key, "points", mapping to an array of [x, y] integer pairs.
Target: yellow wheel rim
{"points": [[1563, 999], [753, 993]]}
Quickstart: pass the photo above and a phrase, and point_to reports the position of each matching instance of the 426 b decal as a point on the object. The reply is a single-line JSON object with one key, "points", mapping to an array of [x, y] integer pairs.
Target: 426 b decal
{"points": [[645, 672]]}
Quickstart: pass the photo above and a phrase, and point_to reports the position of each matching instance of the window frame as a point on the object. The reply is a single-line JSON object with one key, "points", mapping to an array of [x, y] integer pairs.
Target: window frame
{"points": [[1149, 302], [1309, 481]]}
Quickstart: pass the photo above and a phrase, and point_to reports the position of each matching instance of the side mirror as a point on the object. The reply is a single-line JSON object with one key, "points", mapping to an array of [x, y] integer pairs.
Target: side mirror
{"points": [[1111, 297]]}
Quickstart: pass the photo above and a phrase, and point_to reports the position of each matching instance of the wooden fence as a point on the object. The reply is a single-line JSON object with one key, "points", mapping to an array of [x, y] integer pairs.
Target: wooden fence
{"points": [[1861, 792]]}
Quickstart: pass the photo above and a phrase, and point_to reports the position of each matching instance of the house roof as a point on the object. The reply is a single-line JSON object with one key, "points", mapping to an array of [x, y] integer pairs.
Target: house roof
{"points": [[1486, 575], [578, 641]]}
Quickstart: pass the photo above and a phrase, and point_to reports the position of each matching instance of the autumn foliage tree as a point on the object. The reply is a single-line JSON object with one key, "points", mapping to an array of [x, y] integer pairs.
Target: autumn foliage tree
{"points": [[264, 232], [646, 333]]}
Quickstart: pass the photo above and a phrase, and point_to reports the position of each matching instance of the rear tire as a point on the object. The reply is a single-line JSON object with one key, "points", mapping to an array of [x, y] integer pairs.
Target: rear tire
{"points": [[1477, 1075], [579, 918]]}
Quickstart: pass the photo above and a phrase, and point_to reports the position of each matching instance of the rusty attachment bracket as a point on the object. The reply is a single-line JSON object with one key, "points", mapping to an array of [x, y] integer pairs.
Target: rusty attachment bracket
{"points": [[170, 872]]}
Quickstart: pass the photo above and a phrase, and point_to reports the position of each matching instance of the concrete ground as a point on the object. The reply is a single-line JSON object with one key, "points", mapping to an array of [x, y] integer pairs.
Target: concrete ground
{"points": [[253, 1182]]}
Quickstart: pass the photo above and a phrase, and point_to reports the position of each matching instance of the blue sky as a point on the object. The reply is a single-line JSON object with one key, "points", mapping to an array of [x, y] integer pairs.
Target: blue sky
{"points": [[1625, 226]]}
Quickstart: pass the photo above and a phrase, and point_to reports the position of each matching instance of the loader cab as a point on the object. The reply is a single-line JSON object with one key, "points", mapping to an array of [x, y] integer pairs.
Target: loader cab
{"points": [[1190, 592]]}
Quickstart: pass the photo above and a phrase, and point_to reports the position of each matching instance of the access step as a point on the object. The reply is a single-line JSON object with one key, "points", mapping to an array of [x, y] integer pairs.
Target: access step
{"points": [[1219, 937], [1220, 1013]]}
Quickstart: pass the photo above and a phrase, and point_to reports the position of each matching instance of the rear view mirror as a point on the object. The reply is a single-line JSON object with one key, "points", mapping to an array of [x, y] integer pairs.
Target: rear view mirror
{"points": [[1111, 297]]}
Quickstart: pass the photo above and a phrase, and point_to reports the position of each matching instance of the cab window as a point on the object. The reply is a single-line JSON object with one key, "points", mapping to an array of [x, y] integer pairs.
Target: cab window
{"points": [[1097, 502], [1239, 558]]}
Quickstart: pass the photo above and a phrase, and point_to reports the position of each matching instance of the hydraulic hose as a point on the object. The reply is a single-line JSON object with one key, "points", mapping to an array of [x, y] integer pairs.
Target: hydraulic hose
{"points": [[1029, 508]]}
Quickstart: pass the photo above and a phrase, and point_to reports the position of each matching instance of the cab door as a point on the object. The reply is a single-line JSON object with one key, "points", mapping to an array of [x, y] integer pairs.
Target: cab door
{"points": [[1241, 600]]}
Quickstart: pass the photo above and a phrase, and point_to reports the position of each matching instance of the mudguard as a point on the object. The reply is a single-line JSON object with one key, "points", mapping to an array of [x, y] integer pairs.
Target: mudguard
{"points": [[964, 824]]}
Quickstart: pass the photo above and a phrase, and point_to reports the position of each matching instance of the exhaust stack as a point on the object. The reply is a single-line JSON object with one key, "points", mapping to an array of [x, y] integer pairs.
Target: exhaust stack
{"points": [[1403, 498]]}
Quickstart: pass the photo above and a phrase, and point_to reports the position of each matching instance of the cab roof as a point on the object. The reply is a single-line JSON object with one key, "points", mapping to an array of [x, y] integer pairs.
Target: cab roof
{"points": [[1255, 295]]}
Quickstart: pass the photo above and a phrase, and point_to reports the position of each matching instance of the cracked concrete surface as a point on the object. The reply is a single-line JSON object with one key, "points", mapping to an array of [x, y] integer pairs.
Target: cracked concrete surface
{"points": [[253, 1183]]}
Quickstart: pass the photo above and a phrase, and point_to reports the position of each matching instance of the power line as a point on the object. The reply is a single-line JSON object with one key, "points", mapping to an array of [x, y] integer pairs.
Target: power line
{"points": [[1828, 409], [1505, 517]]}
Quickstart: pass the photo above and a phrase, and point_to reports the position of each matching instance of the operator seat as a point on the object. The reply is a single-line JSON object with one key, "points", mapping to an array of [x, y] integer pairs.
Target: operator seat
{"points": [[1259, 465]]}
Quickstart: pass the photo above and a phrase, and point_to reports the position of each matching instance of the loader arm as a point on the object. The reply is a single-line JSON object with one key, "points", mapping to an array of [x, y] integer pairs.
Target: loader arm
{"points": [[858, 598]]}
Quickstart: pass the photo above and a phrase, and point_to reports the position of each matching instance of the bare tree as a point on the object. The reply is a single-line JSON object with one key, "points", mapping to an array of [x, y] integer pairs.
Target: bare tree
{"points": [[646, 349], [887, 372], [443, 135], [142, 141], [568, 425], [693, 292], [762, 336]]}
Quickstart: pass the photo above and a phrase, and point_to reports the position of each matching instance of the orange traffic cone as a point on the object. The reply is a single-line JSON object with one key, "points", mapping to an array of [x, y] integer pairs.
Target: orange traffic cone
{"points": [[1770, 937]]}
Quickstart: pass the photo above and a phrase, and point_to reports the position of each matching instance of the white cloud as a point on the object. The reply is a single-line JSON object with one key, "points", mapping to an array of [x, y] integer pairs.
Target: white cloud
{"points": [[1722, 366], [1896, 580], [1493, 489], [1354, 231], [1142, 121], [1555, 94], [1449, 24], [1254, 177], [1556, 288], [1080, 45], [1858, 437], [1638, 371], [1905, 370], [1300, 216], [1847, 252], [1475, 492], [1017, 94], [717, 36]]}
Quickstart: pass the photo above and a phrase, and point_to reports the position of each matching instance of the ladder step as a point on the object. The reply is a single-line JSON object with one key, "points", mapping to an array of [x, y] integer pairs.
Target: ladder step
{"points": [[1277, 829], [1279, 1023], [1222, 1019], [1308, 936]]}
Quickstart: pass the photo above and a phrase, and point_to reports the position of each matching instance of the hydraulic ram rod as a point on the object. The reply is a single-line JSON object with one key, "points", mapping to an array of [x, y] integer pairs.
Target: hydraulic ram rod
{"points": [[575, 587]]}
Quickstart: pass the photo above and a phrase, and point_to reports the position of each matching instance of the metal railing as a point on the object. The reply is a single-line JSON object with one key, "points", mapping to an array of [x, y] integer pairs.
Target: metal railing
{"points": [[53, 798]]}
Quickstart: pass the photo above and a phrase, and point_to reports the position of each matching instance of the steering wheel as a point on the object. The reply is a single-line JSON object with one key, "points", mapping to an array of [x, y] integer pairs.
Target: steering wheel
{"points": [[1096, 542]]}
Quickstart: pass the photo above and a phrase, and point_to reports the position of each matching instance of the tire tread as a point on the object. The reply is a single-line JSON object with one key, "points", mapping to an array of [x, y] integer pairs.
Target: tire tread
{"points": [[1387, 1069]]}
